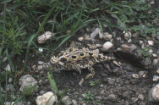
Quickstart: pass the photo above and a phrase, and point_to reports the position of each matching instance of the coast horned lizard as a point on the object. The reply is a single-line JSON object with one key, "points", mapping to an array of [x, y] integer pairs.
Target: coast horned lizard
{"points": [[78, 59]]}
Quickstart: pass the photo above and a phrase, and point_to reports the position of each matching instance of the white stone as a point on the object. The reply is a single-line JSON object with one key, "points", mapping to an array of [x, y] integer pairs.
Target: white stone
{"points": [[150, 51], [127, 35], [155, 78], [80, 38], [107, 46], [150, 42], [10, 80], [8, 68], [48, 98], [40, 67], [41, 49], [40, 62], [44, 37], [27, 81], [154, 55], [129, 40], [154, 94]]}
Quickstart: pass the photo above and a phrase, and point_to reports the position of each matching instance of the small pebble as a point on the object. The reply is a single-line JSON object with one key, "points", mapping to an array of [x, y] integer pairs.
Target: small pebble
{"points": [[95, 33], [80, 38], [107, 46], [40, 67], [150, 42], [4, 59], [41, 49], [74, 102], [48, 98], [133, 47], [125, 47], [155, 78], [112, 97], [107, 36], [157, 71], [155, 62], [150, 51], [141, 97], [98, 45], [44, 37], [142, 74], [10, 87], [130, 40], [111, 81], [127, 35], [66, 100], [10, 80], [136, 76], [8, 68], [141, 42], [154, 55], [40, 62]]}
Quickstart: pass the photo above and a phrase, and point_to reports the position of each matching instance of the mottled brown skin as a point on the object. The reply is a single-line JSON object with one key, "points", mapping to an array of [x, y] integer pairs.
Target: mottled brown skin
{"points": [[78, 59]]}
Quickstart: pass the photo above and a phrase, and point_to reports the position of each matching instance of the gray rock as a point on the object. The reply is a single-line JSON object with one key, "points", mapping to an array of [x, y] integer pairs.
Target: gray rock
{"points": [[154, 94], [66, 100], [26, 82]]}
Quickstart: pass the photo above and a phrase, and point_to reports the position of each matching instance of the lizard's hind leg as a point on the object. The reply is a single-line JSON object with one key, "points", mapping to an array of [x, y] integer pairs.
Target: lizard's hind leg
{"points": [[91, 74]]}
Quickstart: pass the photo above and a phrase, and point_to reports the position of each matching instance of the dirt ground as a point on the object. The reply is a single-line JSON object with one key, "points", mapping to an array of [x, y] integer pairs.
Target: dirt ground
{"points": [[111, 85]]}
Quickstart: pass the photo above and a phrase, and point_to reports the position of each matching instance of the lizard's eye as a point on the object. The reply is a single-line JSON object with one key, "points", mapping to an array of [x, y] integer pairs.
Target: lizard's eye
{"points": [[81, 54], [74, 57], [63, 59], [90, 54]]}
